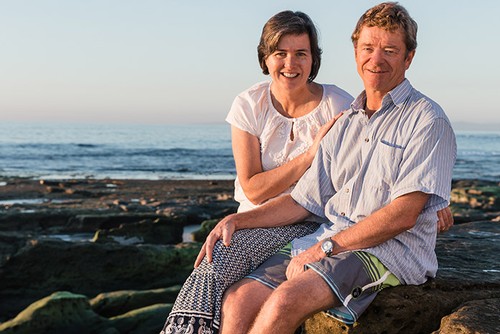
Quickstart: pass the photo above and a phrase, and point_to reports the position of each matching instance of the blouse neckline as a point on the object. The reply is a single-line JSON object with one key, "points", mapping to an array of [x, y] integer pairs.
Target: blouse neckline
{"points": [[293, 119]]}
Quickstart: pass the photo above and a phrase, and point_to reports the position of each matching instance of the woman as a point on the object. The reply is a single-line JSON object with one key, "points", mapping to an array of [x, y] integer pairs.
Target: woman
{"points": [[276, 130]]}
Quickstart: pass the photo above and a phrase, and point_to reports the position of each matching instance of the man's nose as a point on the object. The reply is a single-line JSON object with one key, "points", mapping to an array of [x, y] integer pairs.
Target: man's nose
{"points": [[377, 56]]}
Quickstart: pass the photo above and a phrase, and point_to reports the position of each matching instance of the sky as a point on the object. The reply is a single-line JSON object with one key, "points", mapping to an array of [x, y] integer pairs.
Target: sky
{"points": [[168, 62]]}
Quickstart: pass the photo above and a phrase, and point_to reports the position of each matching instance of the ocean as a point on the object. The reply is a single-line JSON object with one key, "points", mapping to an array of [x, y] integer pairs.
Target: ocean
{"points": [[190, 151]]}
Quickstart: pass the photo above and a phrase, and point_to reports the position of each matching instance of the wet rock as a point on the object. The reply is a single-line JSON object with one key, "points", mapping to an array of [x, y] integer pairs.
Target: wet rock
{"points": [[205, 228], [465, 289], [36, 221], [474, 200], [65, 312], [119, 302], [105, 221], [88, 268], [159, 231], [467, 252], [144, 320], [61, 312], [10, 243]]}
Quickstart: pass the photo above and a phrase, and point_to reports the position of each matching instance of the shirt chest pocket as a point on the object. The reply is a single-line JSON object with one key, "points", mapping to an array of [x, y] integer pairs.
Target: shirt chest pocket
{"points": [[385, 163]]}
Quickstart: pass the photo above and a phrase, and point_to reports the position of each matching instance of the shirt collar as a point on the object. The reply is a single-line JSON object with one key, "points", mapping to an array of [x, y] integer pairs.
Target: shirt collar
{"points": [[397, 96]]}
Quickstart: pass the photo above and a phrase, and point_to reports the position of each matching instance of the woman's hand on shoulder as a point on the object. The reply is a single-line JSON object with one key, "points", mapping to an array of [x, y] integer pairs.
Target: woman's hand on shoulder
{"points": [[222, 231], [323, 130]]}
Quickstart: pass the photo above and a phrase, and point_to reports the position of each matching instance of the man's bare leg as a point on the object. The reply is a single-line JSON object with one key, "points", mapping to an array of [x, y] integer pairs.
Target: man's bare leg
{"points": [[241, 304], [292, 303]]}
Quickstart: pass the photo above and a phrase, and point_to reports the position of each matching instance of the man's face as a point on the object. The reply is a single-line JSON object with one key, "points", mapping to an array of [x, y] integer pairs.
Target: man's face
{"points": [[382, 59]]}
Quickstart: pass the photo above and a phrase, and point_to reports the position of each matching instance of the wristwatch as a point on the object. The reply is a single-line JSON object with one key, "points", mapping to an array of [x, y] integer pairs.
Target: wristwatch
{"points": [[327, 246]]}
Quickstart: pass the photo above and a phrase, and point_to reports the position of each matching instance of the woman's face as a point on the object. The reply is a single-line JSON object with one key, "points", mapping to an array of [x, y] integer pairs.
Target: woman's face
{"points": [[290, 65]]}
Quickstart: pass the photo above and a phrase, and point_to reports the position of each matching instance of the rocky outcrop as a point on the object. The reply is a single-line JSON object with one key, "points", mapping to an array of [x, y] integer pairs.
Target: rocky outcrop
{"points": [[61, 312], [126, 279], [158, 231], [410, 309], [478, 316], [112, 304], [65, 312], [474, 200], [45, 266]]}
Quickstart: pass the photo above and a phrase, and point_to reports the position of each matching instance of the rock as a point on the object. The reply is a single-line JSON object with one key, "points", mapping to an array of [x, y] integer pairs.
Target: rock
{"points": [[35, 221], [466, 252], [106, 221], [473, 317], [407, 309], [10, 243], [57, 189], [474, 200], [160, 231], [88, 268], [65, 312], [205, 228], [144, 320], [61, 312], [119, 302], [463, 297]]}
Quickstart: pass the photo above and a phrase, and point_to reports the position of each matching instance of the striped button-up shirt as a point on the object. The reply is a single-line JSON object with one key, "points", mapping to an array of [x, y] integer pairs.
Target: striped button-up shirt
{"points": [[365, 163]]}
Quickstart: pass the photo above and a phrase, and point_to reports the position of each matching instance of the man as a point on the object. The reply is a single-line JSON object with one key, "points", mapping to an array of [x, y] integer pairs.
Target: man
{"points": [[379, 178]]}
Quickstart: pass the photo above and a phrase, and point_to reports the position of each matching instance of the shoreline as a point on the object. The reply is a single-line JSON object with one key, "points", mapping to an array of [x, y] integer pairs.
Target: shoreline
{"points": [[111, 189]]}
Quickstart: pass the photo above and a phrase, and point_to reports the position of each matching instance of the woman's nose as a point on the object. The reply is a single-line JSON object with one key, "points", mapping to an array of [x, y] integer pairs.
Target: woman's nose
{"points": [[289, 61]]}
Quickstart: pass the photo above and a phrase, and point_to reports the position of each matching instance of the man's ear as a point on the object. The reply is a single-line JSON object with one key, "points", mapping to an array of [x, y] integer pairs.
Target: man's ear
{"points": [[409, 58]]}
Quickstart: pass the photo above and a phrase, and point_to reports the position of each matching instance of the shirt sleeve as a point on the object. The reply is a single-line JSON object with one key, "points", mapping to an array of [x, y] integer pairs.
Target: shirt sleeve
{"points": [[427, 163], [242, 115]]}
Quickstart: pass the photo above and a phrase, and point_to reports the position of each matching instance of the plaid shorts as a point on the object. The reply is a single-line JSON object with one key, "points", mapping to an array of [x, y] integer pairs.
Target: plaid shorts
{"points": [[355, 278]]}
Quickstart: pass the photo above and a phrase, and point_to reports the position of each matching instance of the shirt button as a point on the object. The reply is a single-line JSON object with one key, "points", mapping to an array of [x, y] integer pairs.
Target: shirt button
{"points": [[342, 213], [347, 190], [367, 140]]}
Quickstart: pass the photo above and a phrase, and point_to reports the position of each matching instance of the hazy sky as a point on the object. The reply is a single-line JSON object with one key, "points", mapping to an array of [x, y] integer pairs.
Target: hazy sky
{"points": [[184, 61]]}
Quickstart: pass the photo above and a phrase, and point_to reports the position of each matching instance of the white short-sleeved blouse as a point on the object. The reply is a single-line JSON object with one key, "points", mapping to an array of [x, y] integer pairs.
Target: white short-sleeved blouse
{"points": [[252, 111]]}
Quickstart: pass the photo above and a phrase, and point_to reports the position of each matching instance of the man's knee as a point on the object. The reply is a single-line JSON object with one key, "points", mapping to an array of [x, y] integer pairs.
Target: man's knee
{"points": [[306, 294], [283, 300], [236, 294], [247, 293]]}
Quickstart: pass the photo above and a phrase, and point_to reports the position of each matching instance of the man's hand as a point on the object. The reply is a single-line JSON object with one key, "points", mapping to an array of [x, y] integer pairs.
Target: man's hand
{"points": [[445, 219], [223, 230], [297, 264]]}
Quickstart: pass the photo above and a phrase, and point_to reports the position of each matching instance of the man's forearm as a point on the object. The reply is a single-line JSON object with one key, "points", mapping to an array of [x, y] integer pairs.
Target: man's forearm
{"points": [[277, 212], [398, 216]]}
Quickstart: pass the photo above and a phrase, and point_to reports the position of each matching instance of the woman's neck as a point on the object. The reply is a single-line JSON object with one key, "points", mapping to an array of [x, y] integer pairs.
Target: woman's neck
{"points": [[297, 103]]}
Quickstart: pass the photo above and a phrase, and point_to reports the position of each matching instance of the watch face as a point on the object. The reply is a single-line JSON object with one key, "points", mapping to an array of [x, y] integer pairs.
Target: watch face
{"points": [[327, 246]]}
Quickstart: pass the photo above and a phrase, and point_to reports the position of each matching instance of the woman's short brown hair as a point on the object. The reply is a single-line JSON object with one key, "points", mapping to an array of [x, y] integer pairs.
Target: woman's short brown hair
{"points": [[288, 23]]}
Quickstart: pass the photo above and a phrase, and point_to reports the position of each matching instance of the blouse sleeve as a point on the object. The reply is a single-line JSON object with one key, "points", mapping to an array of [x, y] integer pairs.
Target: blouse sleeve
{"points": [[242, 115]]}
